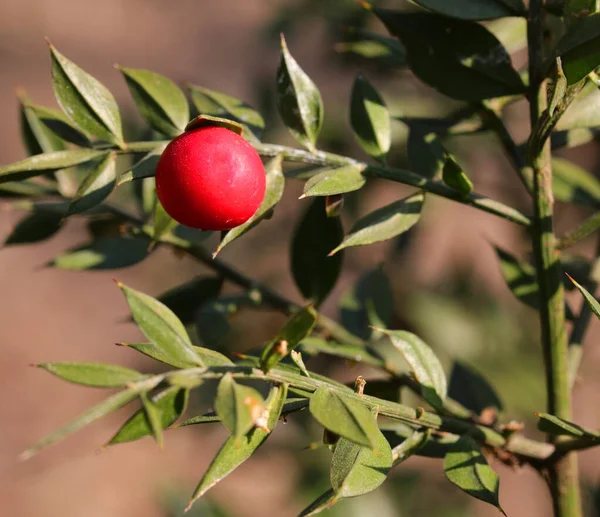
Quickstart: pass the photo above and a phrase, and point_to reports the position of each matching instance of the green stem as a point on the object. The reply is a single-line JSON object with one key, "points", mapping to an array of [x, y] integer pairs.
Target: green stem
{"points": [[564, 482]]}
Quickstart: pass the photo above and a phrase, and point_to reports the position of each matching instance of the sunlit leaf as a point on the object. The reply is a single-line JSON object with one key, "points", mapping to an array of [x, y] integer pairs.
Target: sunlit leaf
{"points": [[37, 137], [104, 253], [238, 407], [340, 180], [96, 187], [93, 374], [558, 426], [144, 168], [454, 176], [588, 297]]}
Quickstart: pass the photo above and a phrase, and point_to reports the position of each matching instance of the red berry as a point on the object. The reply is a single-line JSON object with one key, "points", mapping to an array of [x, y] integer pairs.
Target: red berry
{"points": [[210, 178]]}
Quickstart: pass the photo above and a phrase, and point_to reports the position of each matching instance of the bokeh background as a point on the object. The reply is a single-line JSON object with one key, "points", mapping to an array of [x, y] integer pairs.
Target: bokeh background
{"points": [[445, 275]]}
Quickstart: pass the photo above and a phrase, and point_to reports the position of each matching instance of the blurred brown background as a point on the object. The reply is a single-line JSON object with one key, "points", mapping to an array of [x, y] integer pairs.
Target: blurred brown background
{"points": [[446, 278]]}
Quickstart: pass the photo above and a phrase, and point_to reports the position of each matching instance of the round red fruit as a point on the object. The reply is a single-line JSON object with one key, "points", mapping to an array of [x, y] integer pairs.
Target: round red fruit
{"points": [[210, 178]]}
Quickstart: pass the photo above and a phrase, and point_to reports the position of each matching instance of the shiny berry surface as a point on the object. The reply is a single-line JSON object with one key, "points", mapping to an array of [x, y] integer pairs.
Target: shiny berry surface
{"points": [[210, 178]]}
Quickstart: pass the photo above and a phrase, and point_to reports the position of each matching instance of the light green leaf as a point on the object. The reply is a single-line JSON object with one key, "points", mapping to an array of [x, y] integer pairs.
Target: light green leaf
{"points": [[206, 355], [85, 101], [169, 404], [455, 177], [340, 180], [588, 297], [41, 163], [234, 451], [345, 416], [384, 223], [160, 326], [274, 191], [424, 363], [289, 337], [465, 466], [158, 99], [37, 137], [98, 375], [104, 253], [238, 407], [56, 122], [97, 185], [475, 9], [583, 112], [359, 354], [358, 470], [298, 100], [554, 425], [559, 88], [579, 48], [573, 184], [145, 168], [385, 51], [370, 119]]}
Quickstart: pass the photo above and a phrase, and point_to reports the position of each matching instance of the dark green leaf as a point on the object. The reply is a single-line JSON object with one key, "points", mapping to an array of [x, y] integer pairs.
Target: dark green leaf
{"points": [[96, 187], [573, 184], [160, 326], [460, 59], [85, 101], [239, 407], [295, 330], [145, 168], [424, 363], [27, 188], [275, 185], [37, 137], [60, 125], [48, 162], [345, 416], [316, 235], [579, 48], [340, 180], [358, 470], [212, 322], [93, 374], [170, 405], [466, 467], [554, 425], [588, 297], [370, 119], [36, 227], [471, 389], [520, 278], [185, 299], [104, 253], [234, 451], [385, 223], [298, 100], [426, 154], [210, 102], [475, 9], [455, 177]]}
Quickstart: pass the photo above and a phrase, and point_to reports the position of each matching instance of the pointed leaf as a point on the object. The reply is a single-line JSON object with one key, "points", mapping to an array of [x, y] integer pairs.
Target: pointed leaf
{"points": [[321, 503], [56, 122], [424, 363], [37, 137], [97, 185], [472, 390], [460, 59], [160, 326], [340, 180], [274, 191], [454, 176], [554, 425], [145, 168], [385, 51], [298, 100], [475, 9], [234, 452], [579, 48], [288, 338], [206, 355], [370, 119], [104, 253], [153, 417], [93, 374], [209, 121], [588, 297], [85, 101], [185, 299], [359, 354], [314, 272], [238, 407], [466, 467], [41, 163], [384, 223], [345, 416], [36, 227]]}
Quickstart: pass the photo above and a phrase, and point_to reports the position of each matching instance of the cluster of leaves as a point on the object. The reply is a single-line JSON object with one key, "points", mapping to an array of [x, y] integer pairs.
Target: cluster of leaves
{"points": [[79, 155]]}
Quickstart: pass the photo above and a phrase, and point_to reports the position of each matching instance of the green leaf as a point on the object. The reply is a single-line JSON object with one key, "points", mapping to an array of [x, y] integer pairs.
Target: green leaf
{"points": [[559, 88], [573, 184], [274, 191], [460, 59], [340, 180], [298, 100], [554, 425], [368, 302], [413, 444], [234, 451], [105, 407], [85, 101], [314, 272], [96, 187], [474, 9], [370, 119], [385, 223], [41, 163], [583, 112], [424, 363], [321, 503], [37, 137], [160, 326], [218, 104], [238, 407], [56, 122], [471, 389], [169, 404], [455, 177], [358, 470], [359, 354], [163, 222], [426, 155], [173, 358], [35, 227], [386, 52], [153, 416], [289, 337], [104, 253], [466, 467], [209, 121], [185, 299], [145, 168], [579, 48], [520, 278], [344, 415], [588, 297], [93, 374], [159, 100]]}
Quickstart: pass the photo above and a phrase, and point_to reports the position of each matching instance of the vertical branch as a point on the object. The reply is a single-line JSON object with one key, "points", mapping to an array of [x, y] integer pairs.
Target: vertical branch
{"points": [[564, 482]]}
